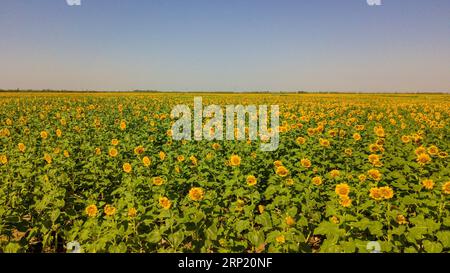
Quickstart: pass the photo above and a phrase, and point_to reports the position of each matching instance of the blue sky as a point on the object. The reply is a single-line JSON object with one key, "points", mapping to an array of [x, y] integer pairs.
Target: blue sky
{"points": [[235, 45]]}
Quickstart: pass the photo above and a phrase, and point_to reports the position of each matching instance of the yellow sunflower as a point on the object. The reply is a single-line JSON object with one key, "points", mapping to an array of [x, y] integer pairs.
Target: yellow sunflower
{"points": [[196, 194], [91, 210], [235, 160], [342, 189]]}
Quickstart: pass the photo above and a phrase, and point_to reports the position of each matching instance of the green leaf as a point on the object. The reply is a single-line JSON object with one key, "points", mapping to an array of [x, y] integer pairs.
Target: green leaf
{"points": [[176, 238], [415, 233], [432, 247], [242, 225], [444, 238], [211, 232], [256, 238], [154, 237], [12, 248], [264, 220], [54, 215], [329, 229]]}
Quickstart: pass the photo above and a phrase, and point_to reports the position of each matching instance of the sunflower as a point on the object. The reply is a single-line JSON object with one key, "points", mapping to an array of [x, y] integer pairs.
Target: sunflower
{"points": [[280, 239], [165, 203], [420, 150], [127, 167], [374, 148], [375, 193], [401, 220], [335, 173], [357, 136], [58, 133], [317, 180], [21, 147], [193, 160], [3, 159], [261, 209], [345, 201], [290, 181], [48, 158], [139, 150], [386, 192], [446, 188], [289, 221], [305, 162], [235, 160], [348, 151], [123, 125], [162, 155], [146, 161], [251, 180], [406, 139], [282, 171], [324, 142], [109, 210], [300, 140], [132, 212], [44, 135], [114, 142], [362, 177], [374, 174], [66, 153], [428, 184], [433, 150], [374, 158], [113, 152], [278, 163], [91, 210], [180, 158], [196, 194], [335, 220], [379, 131], [423, 159], [216, 146], [158, 181], [98, 151], [342, 189]]}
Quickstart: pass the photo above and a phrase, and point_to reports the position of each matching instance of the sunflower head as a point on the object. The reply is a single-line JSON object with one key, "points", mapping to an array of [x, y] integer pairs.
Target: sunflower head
{"points": [[132, 212], [196, 194], [91, 210], [428, 184], [446, 188], [146, 161], [235, 160], [342, 189], [109, 210], [127, 167], [282, 171], [387, 192], [375, 193], [317, 180], [165, 203], [158, 181], [251, 180], [305, 163]]}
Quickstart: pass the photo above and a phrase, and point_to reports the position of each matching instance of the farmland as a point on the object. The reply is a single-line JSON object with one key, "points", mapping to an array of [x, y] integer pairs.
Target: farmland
{"points": [[102, 169]]}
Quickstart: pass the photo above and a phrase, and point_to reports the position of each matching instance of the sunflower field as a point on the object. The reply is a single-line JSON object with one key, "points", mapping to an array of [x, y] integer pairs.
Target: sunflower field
{"points": [[102, 170]]}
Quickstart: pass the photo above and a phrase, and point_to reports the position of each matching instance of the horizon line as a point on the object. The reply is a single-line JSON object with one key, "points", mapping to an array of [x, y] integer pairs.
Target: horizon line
{"points": [[216, 91]]}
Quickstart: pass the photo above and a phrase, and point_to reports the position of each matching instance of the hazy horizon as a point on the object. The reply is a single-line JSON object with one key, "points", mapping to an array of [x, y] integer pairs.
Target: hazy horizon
{"points": [[226, 46]]}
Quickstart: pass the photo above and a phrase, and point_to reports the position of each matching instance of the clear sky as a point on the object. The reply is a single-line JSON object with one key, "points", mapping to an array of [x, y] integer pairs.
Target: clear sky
{"points": [[234, 45]]}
